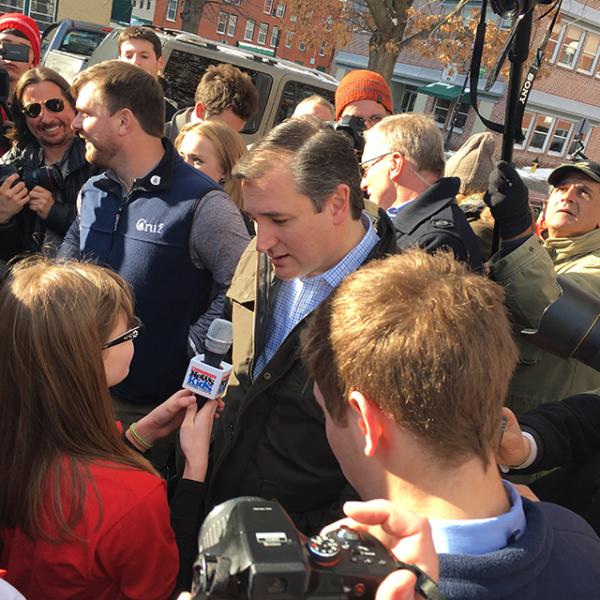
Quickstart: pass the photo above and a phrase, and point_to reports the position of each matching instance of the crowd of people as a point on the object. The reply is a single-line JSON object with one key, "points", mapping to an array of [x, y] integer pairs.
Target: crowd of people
{"points": [[379, 346]]}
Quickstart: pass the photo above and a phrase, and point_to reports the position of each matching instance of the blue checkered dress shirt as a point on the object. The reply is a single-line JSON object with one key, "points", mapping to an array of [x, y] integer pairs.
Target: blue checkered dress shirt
{"points": [[298, 297]]}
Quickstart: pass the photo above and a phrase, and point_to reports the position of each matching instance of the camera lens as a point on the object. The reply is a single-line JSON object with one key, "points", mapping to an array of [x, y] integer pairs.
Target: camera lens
{"points": [[509, 8]]}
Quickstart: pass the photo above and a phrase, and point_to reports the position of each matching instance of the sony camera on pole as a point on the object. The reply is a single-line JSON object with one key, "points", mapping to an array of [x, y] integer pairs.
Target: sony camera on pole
{"points": [[250, 549]]}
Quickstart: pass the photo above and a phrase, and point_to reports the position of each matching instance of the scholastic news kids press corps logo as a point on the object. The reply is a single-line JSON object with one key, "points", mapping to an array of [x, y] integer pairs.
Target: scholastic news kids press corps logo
{"points": [[143, 225], [201, 380]]}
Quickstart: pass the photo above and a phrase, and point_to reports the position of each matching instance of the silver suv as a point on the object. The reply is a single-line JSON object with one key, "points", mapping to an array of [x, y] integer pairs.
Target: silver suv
{"points": [[281, 84]]}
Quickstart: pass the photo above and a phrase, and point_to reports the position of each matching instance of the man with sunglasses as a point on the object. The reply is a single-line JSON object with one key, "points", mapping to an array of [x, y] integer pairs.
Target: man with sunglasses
{"points": [[36, 218], [402, 167]]}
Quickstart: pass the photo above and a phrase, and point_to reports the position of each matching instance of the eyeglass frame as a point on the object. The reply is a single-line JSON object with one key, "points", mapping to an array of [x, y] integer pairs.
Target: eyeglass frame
{"points": [[365, 166], [27, 107], [129, 335]]}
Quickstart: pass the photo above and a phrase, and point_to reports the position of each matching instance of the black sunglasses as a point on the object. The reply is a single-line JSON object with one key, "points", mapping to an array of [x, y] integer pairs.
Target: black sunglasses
{"points": [[34, 109], [130, 334]]}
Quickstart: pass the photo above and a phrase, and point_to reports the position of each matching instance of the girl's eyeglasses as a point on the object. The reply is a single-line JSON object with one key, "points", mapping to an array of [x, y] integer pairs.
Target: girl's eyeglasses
{"points": [[130, 334]]}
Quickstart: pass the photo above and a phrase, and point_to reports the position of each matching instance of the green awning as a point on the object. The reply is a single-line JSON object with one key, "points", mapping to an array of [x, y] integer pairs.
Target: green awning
{"points": [[445, 91]]}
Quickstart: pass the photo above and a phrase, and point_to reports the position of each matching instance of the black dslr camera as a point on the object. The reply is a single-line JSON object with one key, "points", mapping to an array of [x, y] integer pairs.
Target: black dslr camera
{"points": [[249, 549], [49, 177], [353, 127]]}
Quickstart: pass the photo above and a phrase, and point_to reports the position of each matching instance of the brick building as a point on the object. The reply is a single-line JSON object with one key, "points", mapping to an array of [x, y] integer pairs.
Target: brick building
{"points": [[265, 26], [563, 107]]}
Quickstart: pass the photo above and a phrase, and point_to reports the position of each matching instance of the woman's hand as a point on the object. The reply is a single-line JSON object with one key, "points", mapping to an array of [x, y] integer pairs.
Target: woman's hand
{"points": [[194, 438], [166, 417]]}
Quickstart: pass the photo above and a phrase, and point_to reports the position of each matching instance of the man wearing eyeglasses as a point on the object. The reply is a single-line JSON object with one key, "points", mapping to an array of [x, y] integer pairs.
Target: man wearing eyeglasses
{"points": [[35, 218], [363, 94], [402, 167]]}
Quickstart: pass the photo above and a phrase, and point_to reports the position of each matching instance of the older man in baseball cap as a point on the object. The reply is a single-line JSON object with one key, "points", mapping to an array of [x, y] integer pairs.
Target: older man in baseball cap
{"points": [[570, 247]]}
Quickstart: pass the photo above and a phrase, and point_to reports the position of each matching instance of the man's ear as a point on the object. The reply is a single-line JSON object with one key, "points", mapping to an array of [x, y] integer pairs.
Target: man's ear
{"points": [[200, 111], [339, 203], [370, 421], [160, 63], [126, 118], [396, 162]]}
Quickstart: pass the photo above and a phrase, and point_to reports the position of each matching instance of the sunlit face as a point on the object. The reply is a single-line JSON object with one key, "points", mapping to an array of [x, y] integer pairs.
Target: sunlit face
{"points": [[141, 53], [298, 240], [15, 68], [49, 128], [369, 111], [117, 358], [376, 180], [573, 206], [199, 152], [97, 127]]}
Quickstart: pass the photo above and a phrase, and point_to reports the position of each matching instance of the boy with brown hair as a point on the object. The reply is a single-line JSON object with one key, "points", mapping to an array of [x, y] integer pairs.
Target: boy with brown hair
{"points": [[412, 392], [225, 94]]}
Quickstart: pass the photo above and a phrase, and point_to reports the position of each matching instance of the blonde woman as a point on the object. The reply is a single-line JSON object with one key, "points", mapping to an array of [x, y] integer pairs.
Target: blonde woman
{"points": [[213, 148]]}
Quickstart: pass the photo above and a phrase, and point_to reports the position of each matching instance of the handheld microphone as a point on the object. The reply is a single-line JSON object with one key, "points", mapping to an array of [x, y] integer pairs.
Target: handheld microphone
{"points": [[207, 374]]}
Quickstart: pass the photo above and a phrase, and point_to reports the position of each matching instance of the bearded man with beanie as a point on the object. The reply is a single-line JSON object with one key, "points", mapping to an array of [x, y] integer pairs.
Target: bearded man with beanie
{"points": [[363, 94]]}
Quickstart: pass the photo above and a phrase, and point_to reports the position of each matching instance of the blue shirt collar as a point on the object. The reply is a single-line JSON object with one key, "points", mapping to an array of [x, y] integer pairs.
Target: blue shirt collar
{"points": [[481, 536]]}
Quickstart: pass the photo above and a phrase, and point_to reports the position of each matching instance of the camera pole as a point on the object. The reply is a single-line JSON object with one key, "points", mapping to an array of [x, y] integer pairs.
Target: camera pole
{"points": [[517, 56]]}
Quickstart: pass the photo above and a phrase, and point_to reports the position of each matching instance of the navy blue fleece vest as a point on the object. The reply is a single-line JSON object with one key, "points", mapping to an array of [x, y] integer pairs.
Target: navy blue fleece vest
{"points": [[144, 236]]}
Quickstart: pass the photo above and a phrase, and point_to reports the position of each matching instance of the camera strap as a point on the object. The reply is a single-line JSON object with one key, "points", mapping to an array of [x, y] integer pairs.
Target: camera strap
{"points": [[425, 585], [527, 84]]}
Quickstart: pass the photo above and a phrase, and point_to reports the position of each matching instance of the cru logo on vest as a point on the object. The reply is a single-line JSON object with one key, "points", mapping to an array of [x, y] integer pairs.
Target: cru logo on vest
{"points": [[143, 225]]}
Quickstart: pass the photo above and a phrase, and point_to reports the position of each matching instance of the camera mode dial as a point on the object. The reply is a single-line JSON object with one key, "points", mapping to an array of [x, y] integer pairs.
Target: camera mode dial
{"points": [[324, 551]]}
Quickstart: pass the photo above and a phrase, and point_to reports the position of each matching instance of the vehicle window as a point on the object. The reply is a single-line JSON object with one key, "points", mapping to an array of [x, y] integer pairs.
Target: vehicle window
{"points": [[184, 70], [293, 93], [47, 38], [82, 42]]}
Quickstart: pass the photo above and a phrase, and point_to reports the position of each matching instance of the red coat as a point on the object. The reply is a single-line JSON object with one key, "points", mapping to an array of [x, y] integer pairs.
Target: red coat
{"points": [[127, 548]]}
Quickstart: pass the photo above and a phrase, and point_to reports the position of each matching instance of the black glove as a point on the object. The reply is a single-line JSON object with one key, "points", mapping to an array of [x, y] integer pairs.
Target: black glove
{"points": [[508, 199]]}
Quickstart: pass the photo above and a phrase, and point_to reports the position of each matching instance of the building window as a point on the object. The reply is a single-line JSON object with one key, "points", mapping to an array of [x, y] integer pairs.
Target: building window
{"points": [[293, 19], [288, 39], [222, 22], [440, 111], [274, 37], [172, 10], [133, 3], [541, 133], [231, 25], [526, 126], [302, 46], [553, 43], [322, 48], [569, 49], [461, 112], [589, 52], [280, 11], [263, 29], [560, 137], [249, 31], [407, 103], [328, 23], [268, 8]]}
